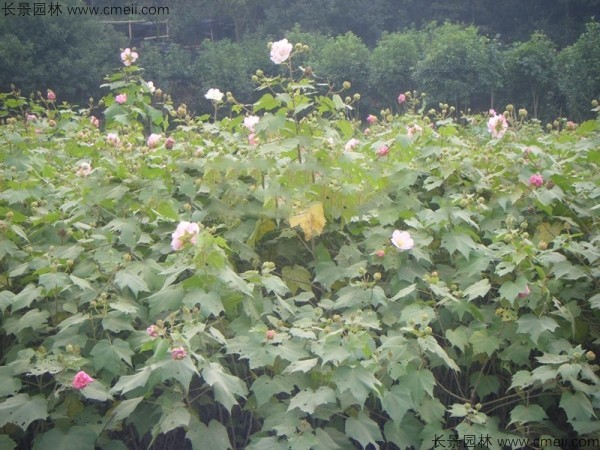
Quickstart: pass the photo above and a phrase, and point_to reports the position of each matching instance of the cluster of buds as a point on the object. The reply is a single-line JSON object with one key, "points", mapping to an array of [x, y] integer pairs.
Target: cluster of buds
{"points": [[267, 267]]}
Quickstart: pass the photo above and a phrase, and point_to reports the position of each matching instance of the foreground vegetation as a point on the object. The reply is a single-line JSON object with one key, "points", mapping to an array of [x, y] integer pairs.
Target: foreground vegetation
{"points": [[289, 276]]}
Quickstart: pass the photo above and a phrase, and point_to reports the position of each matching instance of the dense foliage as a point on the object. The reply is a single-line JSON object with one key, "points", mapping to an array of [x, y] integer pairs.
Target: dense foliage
{"points": [[275, 275]]}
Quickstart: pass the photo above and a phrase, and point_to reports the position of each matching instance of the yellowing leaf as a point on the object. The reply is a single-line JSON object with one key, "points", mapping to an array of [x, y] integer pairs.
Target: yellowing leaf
{"points": [[311, 221]]}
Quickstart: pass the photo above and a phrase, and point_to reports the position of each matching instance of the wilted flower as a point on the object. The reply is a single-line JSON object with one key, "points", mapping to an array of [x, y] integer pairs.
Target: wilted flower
{"points": [[31, 118], [252, 139], [571, 125], [51, 95], [402, 240], [270, 334], [184, 233], [178, 353], [153, 140], [525, 293], [380, 253], [94, 121], [411, 131], [497, 126], [371, 119], [113, 139], [128, 57], [351, 144], [401, 98], [214, 95], [81, 380], [84, 169], [121, 98], [169, 143], [280, 51], [367, 131], [250, 122], [536, 180], [383, 150], [152, 331]]}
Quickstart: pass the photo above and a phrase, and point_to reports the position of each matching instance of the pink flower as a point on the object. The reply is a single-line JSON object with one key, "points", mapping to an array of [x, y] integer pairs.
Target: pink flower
{"points": [[121, 98], [31, 118], [280, 51], [81, 380], [250, 122], [113, 139], [351, 144], [536, 180], [383, 150], [401, 98], [402, 240], [525, 293], [84, 169], [169, 143], [411, 131], [270, 334], [152, 331], [51, 95], [571, 125], [492, 112], [94, 121], [153, 140], [178, 353], [371, 119], [252, 139], [184, 233], [128, 57], [380, 253], [497, 126]]}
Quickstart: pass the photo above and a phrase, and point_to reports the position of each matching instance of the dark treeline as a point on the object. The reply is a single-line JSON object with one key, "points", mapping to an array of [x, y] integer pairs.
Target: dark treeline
{"points": [[541, 55]]}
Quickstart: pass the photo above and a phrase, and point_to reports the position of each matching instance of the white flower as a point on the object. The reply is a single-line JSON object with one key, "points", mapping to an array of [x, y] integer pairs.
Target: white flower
{"points": [[280, 51], [351, 144], [151, 87], [402, 240], [128, 57], [214, 95], [250, 122]]}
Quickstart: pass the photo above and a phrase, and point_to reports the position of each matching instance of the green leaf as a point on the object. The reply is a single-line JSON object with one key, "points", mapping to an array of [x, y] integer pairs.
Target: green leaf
{"points": [[34, 319], [357, 380], [129, 382], [73, 438], [363, 429], [396, 402], [577, 406], [455, 241], [96, 391], [458, 338], [534, 326], [307, 400], [134, 282], [265, 387], [123, 410], [226, 386], [522, 414], [24, 298], [484, 343], [177, 416], [479, 289], [21, 410], [213, 437], [429, 344], [303, 365], [110, 356]]}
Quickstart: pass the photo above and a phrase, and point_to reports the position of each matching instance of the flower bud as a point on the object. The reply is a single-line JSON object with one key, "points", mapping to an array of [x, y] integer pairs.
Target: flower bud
{"points": [[510, 108], [356, 97], [377, 276], [347, 85], [590, 356]]}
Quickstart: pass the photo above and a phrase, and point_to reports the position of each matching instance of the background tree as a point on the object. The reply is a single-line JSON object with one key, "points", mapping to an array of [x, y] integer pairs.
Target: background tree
{"points": [[70, 54], [531, 69], [579, 71]]}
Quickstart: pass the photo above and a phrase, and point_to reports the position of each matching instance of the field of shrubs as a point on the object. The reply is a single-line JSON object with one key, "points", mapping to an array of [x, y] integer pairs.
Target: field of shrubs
{"points": [[290, 274]]}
